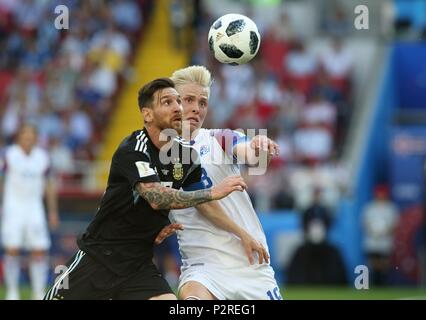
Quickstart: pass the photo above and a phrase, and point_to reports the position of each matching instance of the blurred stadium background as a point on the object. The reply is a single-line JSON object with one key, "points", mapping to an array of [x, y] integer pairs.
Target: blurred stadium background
{"points": [[347, 106]]}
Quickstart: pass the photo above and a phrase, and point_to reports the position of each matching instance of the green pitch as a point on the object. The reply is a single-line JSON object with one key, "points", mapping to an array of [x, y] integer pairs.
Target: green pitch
{"points": [[322, 293], [332, 293]]}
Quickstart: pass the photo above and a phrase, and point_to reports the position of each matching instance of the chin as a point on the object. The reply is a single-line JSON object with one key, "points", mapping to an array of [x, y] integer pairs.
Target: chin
{"points": [[177, 127], [194, 127]]}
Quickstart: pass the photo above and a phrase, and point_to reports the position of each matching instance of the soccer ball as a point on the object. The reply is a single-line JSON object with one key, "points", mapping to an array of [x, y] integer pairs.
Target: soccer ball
{"points": [[234, 39]]}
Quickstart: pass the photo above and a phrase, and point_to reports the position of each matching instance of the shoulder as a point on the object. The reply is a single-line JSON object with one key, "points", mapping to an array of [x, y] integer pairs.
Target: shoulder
{"points": [[134, 146], [181, 141], [226, 133], [205, 132], [204, 135], [129, 141], [10, 151], [136, 141], [228, 138], [41, 152], [41, 155]]}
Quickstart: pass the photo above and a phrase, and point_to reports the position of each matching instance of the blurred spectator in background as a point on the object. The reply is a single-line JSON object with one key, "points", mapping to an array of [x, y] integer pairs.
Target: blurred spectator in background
{"points": [[300, 66], [336, 20], [126, 15], [237, 81], [283, 199], [276, 44], [379, 220], [319, 111], [407, 244], [78, 127], [337, 61], [66, 82], [313, 142], [410, 18], [61, 157], [319, 213], [316, 261], [290, 107], [178, 20]]}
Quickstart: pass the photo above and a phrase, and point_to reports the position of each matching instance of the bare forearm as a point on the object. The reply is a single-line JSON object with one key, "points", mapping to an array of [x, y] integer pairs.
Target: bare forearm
{"points": [[160, 197], [213, 212], [250, 155], [51, 198], [244, 152]]}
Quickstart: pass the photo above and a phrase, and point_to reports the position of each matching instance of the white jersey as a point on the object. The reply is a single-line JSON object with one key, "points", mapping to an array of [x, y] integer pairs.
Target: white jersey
{"points": [[25, 178], [201, 243]]}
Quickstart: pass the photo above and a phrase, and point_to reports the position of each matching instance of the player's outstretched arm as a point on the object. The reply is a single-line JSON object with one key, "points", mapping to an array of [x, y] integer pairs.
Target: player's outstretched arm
{"points": [[214, 212], [160, 197], [253, 150]]}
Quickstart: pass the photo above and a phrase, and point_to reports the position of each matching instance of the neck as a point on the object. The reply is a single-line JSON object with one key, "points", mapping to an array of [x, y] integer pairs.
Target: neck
{"points": [[194, 133], [27, 150], [187, 135], [154, 135]]}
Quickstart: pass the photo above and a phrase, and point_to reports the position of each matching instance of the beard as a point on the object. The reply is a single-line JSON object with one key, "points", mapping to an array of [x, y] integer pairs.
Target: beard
{"points": [[170, 127]]}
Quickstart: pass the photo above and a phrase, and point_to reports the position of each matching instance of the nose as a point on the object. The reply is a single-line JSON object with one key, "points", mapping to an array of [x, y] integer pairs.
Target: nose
{"points": [[195, 108], [178, 107]]}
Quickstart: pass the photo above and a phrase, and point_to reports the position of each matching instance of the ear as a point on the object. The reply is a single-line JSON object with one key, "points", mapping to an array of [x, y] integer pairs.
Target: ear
{"points": [[147, 114]]}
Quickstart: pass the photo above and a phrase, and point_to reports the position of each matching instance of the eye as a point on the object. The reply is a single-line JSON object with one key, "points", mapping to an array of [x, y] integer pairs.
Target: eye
{"points": [[203, 103], [189, 99]]}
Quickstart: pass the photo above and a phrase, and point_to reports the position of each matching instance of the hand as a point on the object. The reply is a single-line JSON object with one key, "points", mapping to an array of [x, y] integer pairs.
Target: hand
{"points": [[250, 244], [227, 186], [53, 220], [167, 231], [264, 144]]}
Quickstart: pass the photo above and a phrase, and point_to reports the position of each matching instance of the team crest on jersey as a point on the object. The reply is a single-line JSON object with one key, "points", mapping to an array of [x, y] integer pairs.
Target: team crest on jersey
{"points": [[177, 170], [204, 150]]}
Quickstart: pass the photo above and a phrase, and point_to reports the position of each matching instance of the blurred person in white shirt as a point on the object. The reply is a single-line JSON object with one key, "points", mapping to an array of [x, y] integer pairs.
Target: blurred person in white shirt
{"points": [[319, 110], [27, 177], [301, 62], [313, 142], [379, 220], [337, 59]]}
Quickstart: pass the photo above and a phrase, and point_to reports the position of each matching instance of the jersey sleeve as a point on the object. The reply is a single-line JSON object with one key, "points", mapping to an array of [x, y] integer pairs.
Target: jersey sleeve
{"points": [[136, 167], [228, 139], [193, 179]]}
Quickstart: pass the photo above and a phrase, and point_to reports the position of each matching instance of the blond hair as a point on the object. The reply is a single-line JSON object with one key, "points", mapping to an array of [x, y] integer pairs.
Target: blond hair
{"points": [[193, 74]]}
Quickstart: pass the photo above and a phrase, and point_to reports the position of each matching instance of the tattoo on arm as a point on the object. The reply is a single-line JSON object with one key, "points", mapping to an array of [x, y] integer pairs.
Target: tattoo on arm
{"points": [[160, 197]]}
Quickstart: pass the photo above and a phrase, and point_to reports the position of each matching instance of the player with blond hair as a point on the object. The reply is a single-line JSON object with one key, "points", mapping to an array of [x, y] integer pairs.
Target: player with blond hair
{"points": [[214, 265]]}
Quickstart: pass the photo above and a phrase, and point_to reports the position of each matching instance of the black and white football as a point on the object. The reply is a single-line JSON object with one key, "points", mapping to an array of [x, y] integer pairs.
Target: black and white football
{"points": [[234, 39]]}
